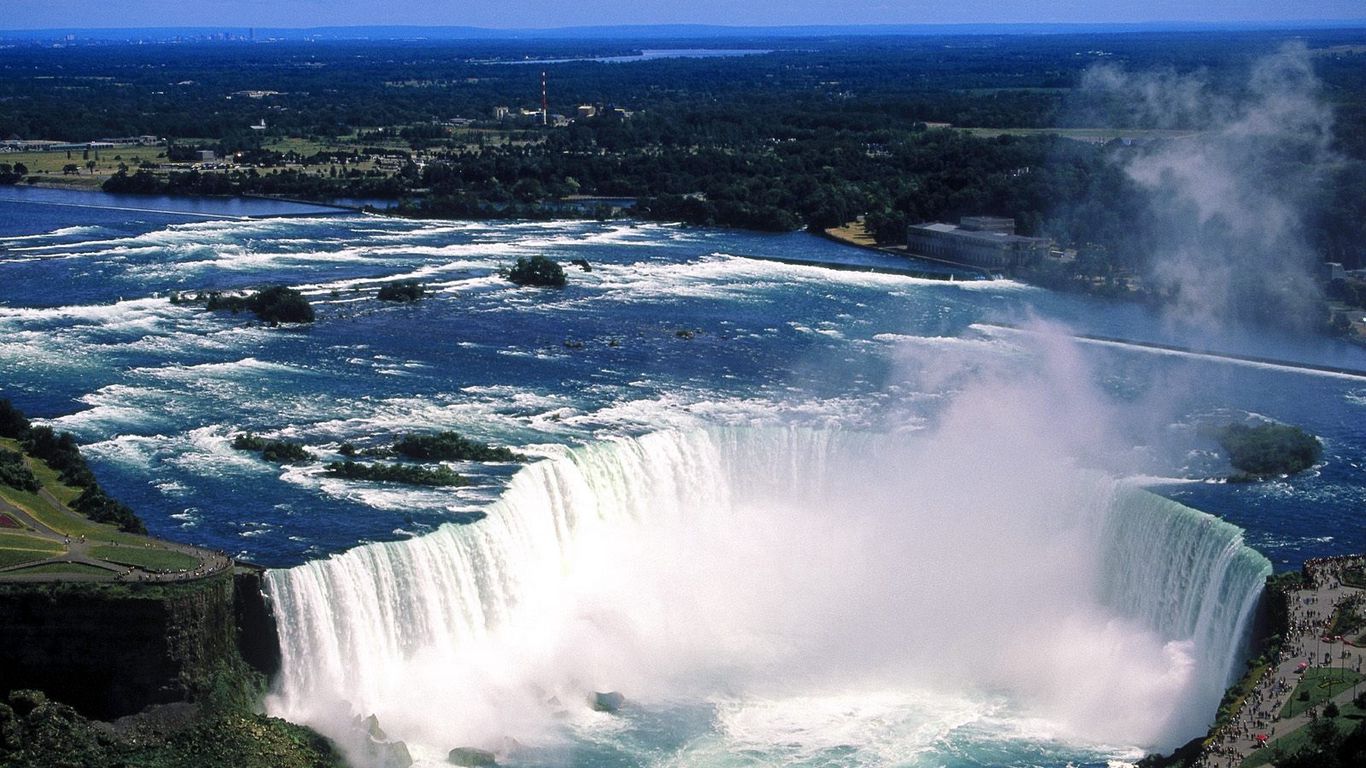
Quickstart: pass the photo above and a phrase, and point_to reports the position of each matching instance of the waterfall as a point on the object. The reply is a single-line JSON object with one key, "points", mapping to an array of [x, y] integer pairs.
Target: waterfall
{"points": [[768, 563]]}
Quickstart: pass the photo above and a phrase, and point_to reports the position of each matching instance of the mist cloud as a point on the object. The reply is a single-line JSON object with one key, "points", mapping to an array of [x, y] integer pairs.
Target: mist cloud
{"points": [[1226, 205]]}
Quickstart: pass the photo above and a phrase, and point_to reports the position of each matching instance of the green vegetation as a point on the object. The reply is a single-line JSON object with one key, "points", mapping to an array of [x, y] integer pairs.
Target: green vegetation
{"points": [[15, 473], [402, 291], [60, 474], [451, 446], [40, 733], [1349, 621], [9, 557], [1327, 742], [65, 569], [147, 558], [276, 304], [1321, 684], [396, 473], [278, 451], [538, 270], [97, 505], [1269, 449]]}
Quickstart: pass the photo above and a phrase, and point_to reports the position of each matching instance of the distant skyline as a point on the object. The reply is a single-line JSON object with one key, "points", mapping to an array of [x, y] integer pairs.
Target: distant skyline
{"points": [[503, 14]]}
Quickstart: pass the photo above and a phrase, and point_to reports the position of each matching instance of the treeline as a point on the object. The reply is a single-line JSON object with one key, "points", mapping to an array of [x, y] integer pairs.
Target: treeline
{"points": [[60, 452], [287, 182]]}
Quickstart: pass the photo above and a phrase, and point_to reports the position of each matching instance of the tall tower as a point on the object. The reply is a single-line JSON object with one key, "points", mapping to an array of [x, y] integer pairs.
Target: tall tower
{"points": [[545, 104]]}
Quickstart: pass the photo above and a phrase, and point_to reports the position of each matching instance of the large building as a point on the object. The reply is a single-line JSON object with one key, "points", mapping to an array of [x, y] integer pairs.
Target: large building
{"points": [[980, 241]]}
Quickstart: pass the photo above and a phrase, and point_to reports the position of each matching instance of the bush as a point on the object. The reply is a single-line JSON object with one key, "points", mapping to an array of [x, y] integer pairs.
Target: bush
{"points": [[450, 446], [12, 421], [278, 451], [15, 473], [95, 504], [405, 291], [276, 304], [538, 270], [396, 473], [61, 453], [1269, 449]]}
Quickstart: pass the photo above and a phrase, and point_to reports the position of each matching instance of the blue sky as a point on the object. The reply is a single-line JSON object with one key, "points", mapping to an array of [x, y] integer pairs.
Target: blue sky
{"points": [[32, 14]]}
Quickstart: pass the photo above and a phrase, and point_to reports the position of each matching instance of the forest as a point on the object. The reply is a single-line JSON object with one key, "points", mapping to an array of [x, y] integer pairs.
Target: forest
{"points": [[809, 132]]}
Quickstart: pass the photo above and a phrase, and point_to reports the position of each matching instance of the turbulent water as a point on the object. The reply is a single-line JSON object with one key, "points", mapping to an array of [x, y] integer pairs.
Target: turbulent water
{"points": [[803, 597], [798, 516]]}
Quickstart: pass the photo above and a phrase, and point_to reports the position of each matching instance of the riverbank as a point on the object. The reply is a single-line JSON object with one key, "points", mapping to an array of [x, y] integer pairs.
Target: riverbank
{"points": [[1311, 672]]}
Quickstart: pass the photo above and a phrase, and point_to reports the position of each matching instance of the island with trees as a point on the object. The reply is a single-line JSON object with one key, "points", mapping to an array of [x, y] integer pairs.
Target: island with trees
{"points": [[1268, 450]]}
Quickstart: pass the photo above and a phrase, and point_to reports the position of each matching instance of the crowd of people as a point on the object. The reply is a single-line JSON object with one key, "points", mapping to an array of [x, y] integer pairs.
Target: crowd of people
{"points": [[1307, 644]]}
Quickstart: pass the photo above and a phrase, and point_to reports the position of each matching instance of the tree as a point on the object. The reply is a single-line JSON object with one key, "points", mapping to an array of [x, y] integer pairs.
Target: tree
{"points": [[90, 166], [538, 270]]}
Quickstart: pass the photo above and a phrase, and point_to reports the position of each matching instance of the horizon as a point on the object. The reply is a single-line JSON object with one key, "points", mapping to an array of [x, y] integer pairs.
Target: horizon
{"points": [[541, 16], [399, 32]]}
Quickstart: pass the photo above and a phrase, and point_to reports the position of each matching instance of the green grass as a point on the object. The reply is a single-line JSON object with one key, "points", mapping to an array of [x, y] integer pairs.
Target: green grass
{"points": [[1296, 740], [10, 557], [45, 164], [152, 559], [66, 569], [1322, 683], [10, 539], [60, 518]]}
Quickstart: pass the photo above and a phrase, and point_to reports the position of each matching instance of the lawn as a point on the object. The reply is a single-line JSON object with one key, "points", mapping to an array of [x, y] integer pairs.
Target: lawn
{"points": [[148, 558], [1294, 741], [1322, 683], [60, 518], [44, 164], [65, 569], [18, 540], [10, 557]]}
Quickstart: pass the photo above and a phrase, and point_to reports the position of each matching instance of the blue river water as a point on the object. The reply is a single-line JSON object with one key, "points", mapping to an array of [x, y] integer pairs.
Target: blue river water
{"points": [[673, 328], [155, 391]]}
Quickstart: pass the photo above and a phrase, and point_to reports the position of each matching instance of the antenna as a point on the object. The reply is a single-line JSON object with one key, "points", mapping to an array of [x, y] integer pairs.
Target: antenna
{"points": [[545, 105]]}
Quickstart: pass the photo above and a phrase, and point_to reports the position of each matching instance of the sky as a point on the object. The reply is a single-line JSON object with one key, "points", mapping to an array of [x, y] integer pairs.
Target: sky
{"points": [[48, 14]]}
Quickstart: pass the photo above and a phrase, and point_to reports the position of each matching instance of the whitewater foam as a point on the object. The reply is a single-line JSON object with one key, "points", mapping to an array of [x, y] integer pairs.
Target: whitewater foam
{"points": [[780, 566]]}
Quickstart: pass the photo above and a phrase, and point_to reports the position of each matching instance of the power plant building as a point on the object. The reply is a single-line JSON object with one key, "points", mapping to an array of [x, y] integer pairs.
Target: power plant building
{"points": [[988, 242]]}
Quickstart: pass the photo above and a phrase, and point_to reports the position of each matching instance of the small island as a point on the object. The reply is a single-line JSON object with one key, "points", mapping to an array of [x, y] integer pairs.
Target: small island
{"points": [[277, 451], [275, 304], [451, 446], [402, 292], [409, 474], [1268, 450], [537, 270]]}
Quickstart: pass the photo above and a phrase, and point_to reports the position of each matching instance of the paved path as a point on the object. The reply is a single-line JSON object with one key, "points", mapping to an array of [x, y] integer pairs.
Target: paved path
{"points": [[77, 552], [1311, 613]]}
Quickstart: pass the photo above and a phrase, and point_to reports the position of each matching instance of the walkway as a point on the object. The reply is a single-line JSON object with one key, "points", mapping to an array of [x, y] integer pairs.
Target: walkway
{"points": [[77, 552], [1311, 614]]}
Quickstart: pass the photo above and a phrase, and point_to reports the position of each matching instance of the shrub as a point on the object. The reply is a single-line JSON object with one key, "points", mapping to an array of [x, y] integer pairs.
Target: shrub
{"points": [[396, 473], [450, 446], [15, 473], [538, 270], [278, 451], [12, 421], [404, 291], [1269, 449], [276, 304]]}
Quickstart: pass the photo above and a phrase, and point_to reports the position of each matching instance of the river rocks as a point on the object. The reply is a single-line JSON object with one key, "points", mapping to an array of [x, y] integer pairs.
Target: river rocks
{"points": [[387, 754], [371, 726], [471, 756], [609, 702]]}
